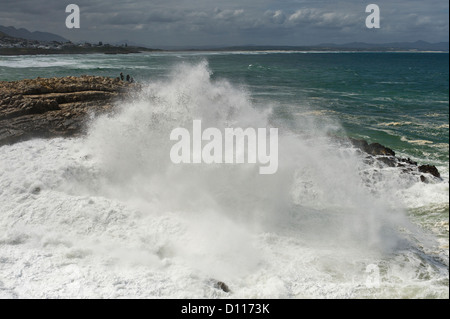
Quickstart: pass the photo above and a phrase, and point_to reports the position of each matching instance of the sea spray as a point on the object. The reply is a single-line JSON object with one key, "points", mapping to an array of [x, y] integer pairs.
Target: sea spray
{"points": [[316, 188]]}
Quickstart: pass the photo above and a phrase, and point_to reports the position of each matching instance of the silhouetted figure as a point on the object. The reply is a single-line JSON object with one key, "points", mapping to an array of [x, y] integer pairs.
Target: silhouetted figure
{"points": [[131, 80], [128, 78], [121, 76]]}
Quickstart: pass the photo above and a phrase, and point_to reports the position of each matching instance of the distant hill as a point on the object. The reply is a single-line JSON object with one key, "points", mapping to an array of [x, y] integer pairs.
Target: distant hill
{"points": [[354, 46], [36, 35], [418, 45]]}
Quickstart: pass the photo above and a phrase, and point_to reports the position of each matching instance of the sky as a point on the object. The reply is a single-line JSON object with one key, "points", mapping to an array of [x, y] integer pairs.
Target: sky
{"points": [[191, 23]]}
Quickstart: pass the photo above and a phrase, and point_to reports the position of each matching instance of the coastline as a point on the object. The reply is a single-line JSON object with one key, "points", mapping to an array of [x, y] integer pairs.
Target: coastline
{"points": [[54, 107]]}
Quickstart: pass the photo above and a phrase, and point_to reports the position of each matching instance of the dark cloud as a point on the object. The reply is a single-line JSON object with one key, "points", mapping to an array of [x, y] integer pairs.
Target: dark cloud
{"points": [[232, 22]]}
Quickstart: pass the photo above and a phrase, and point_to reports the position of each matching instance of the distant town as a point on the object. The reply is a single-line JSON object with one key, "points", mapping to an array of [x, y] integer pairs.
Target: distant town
{"points": [[13, 45], [22, 46]]}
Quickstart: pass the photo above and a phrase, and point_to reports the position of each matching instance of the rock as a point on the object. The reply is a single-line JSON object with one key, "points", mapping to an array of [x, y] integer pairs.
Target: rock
{"points": [[376, 152], [378, 149], [372, 149], [388, 160], [360, 144], [41, 107], [430, 169], [407, 161], [221, 285]]}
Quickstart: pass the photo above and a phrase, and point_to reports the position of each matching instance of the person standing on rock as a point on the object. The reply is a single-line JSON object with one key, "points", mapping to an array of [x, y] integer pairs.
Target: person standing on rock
{"points": [[121, 76], [128, 78]]}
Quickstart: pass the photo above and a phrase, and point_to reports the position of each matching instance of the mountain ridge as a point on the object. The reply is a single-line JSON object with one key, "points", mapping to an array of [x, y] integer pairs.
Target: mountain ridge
{"points": [[23, 33]]}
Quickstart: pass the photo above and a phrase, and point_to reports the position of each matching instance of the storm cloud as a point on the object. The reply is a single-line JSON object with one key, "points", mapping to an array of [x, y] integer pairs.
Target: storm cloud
{"points": [[164, 23]]}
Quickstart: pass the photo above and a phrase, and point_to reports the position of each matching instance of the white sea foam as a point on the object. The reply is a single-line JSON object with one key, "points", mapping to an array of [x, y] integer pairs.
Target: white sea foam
{"points": [[81, 62], [111, 216], [396, 123], [417, 142], [37, 62]]}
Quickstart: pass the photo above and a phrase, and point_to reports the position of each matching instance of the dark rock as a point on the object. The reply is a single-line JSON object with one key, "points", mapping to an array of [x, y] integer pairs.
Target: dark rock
{"points": [[423, 179], [388, 160], [42, 106], [430, 169], [223, 286], [378, 149], [407, 161], [358, 143], [372, 149]]}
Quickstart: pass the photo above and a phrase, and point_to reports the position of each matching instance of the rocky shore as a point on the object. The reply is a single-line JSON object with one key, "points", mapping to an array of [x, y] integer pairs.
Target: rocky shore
{"points": [[382, 156], [56, 106]]}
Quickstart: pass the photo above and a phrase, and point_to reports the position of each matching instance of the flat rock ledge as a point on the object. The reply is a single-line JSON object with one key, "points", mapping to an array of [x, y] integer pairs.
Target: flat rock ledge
{"points": [[55, 107]]}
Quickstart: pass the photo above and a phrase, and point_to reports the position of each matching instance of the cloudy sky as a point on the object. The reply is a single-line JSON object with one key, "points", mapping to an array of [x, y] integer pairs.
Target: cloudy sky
{"points": [[164, 23]]}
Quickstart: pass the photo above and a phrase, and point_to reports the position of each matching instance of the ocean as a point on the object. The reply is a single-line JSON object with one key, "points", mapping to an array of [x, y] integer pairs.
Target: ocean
{"points": [[108, 215]]}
